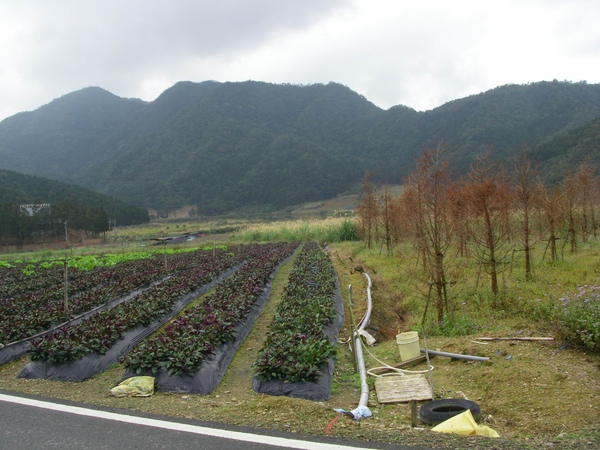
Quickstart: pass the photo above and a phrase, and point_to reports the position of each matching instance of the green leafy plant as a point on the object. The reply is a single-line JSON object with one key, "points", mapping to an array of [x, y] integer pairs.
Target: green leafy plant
{"points": [[184, 343], [97, 333], [295, 347]]}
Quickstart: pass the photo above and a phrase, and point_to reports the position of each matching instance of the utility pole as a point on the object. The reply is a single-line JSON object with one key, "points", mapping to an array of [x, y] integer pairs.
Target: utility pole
{"points": [[165, 252], [114, 228], [67, 241], [107, 236]]}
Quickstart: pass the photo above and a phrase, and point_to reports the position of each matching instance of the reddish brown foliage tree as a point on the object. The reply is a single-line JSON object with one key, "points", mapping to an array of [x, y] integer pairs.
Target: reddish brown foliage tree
{"points": [[386, 217], [525, 196], [571, 196], [585, 185], [552, 208], [427, 208], [490, 200], [366, 211]]}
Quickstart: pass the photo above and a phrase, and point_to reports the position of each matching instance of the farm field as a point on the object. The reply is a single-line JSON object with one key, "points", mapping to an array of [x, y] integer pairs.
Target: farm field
{"points": [[544, 394], [154, 293]]}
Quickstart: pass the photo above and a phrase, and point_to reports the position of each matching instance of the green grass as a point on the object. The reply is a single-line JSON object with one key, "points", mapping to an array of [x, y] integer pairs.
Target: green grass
{"points": [[527, 396], [404, 289], [521, 304]]}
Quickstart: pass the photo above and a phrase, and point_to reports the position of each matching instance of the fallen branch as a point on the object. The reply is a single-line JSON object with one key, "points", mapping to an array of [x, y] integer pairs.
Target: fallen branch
{"points": [[516, 339]]}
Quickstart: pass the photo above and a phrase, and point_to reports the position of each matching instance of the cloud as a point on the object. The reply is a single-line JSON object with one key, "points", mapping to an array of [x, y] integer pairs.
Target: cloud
{"points": [[128, 47], [419, 54]]}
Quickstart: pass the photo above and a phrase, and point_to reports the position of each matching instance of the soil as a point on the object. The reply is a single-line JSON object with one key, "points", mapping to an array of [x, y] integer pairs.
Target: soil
{"points": [[534, 394]]}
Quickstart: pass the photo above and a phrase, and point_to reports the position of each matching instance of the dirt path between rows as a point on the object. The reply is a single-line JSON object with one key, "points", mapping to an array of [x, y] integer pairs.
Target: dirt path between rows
{"points": [[238, 378]]}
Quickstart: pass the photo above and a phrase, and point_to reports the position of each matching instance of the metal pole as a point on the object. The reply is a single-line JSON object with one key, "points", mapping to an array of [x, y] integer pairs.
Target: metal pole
{"points": [[165, 253], [65, 303]]}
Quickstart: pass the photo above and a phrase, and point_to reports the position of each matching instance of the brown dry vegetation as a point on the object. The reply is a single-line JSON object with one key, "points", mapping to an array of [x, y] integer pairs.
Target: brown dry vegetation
{"points": [[543, 396]]}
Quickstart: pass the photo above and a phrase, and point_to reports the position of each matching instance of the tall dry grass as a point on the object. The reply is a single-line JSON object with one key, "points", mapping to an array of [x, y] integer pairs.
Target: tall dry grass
{"points": [[319, 230]]}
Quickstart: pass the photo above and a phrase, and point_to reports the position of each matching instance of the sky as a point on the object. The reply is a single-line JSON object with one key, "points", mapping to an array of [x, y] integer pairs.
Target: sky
{"points": [[420, 54]]}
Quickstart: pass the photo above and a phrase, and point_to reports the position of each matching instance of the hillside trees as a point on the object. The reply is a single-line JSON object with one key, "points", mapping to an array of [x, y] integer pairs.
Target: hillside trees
{"points": [[237, 146], [16, 188], [17, 225]]}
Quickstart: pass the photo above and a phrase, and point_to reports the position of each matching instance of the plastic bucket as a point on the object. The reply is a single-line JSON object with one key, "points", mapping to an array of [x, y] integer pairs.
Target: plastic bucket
{"points": [[408, 344]]}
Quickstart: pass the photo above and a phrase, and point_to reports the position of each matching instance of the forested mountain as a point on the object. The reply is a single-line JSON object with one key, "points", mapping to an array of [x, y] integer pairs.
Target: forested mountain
{"points": [[18, 189], [582, 144], [226, 146]]}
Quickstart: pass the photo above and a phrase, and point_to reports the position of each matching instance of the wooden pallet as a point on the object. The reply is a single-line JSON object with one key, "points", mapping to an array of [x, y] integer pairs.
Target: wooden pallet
{"points": [[398, 389]]}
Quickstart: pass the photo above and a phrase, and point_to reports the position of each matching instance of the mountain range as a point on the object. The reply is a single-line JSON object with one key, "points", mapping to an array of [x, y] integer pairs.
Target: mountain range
{"points": [[224, 147]]}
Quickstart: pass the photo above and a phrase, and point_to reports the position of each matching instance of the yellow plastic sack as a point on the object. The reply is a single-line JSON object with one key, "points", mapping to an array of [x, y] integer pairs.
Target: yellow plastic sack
{"points": [[464, 424], [134, 387]]}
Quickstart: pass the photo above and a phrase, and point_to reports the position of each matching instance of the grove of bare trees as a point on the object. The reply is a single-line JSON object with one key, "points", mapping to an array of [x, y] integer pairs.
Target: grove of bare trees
{"points": [[493, 217]]}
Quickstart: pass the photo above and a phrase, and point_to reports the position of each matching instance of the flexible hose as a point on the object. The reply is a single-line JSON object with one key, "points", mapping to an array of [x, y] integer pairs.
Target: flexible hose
{"points": [[395, 370]]}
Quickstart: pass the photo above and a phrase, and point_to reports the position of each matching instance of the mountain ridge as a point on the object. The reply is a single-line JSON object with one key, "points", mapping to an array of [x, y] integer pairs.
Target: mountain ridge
{"points": [[235, 145]]}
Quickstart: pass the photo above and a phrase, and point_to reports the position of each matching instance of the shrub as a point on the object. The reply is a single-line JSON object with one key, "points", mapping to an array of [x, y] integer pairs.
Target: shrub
{"points": [[345, 231], [460, 326], [577, 317]]}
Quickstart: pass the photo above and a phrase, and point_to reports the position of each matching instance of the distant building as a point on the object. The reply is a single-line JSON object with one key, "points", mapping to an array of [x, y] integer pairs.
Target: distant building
{"points": [[35, 208]]}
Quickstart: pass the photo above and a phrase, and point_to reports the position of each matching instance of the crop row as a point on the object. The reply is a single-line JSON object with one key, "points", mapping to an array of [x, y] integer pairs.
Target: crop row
{"points": [[36, 275], [99, 332], [184, 344], [32, 312], [78, 282], [32, 277], [295, 347]]}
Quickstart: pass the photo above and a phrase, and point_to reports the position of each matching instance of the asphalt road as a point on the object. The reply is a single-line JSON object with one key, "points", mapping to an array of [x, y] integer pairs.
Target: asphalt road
{"points": [[32, 423]]}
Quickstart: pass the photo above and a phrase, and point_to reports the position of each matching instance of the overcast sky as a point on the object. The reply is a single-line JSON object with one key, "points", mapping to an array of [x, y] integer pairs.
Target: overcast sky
{"points": [[415, 53]]}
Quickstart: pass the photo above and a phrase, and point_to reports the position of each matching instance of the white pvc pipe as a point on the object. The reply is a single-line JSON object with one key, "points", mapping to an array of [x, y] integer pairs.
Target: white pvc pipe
{"points": [[358, 354], [455, 355], [362, 410]]}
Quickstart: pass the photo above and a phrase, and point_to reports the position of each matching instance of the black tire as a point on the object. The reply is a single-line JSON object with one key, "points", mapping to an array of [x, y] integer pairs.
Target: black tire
{"points": [[437, 411]]}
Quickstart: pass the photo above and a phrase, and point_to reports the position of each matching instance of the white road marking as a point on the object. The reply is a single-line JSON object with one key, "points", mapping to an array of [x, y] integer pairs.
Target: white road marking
{"points": [[214, 432]]}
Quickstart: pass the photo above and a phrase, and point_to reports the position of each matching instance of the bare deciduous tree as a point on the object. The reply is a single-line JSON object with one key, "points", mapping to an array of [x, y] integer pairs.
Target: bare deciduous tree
{"points": [[571, 196], [386, 216], [585, 185], [525, 192], [552, 209], [490, 199], [367, 211], [426, 195]]}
